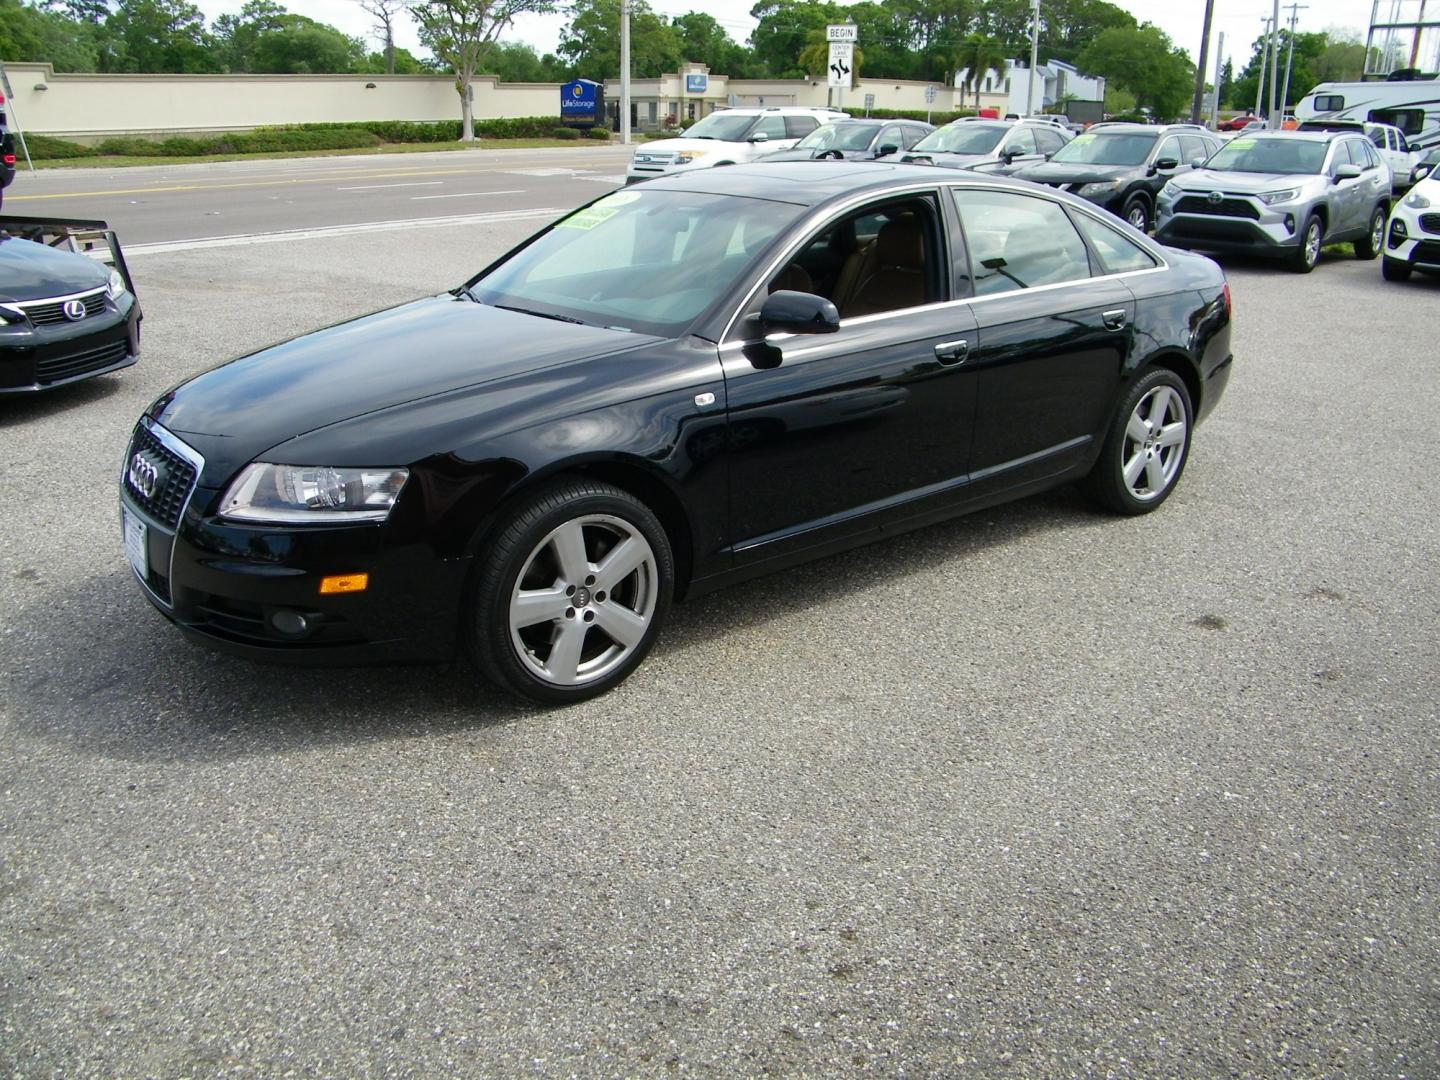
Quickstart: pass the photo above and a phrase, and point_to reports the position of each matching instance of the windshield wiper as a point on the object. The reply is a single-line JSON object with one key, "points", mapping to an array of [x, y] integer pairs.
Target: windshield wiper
{"points": [[542, 314]]}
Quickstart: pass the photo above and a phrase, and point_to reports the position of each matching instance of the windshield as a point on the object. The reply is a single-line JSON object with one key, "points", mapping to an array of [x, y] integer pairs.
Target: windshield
{"points": [[647, 261], [838, 137], [1107, 148], [1272, 155], [962, 138], [727, 127]]}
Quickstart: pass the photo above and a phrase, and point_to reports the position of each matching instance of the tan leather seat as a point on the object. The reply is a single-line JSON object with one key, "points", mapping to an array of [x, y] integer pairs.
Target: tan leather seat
{"points": [[898, 280], [858, 266]]}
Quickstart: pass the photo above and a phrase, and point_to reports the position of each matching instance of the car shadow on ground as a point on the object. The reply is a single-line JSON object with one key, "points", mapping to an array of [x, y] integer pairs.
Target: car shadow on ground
{"points": [[92, 666], [19, 409]]}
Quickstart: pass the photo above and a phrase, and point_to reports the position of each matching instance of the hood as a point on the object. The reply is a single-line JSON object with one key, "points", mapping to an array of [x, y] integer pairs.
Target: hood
{"points": [[674, 146], [31, 271], [1058, 172], [1241, 183], [427, 347], [809, 155]]}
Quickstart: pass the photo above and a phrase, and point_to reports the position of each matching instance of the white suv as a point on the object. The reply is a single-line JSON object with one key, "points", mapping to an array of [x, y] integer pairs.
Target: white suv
{"points": [[728, 137]]}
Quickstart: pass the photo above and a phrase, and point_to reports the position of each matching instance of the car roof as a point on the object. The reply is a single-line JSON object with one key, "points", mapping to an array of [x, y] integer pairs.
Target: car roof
{"points": [[810, 183], [1308, 136]]}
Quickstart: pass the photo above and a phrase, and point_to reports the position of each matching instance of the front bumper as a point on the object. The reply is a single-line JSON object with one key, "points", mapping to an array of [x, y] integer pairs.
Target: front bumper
{"points": [[224, 584], [1413, 236], [36, 358], [1236, 223]]}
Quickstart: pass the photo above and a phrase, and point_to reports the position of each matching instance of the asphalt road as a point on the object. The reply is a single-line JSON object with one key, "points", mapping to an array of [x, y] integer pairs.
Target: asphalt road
{"points": [[185, 202], [1040, 792]]}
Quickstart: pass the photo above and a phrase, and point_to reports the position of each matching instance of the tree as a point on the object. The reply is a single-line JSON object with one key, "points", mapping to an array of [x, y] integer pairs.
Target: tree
{"points": [[978, 55], [1144, 62], [705, 41], [784, 30], [514, 61], [236, 35], [384, 12], [159, 36], [302, 46], [591, 42], [462, 33]]}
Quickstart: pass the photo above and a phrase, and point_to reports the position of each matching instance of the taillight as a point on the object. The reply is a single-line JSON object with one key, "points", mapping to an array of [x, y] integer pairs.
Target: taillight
{"points": [[9, 159], [1226, 291]]}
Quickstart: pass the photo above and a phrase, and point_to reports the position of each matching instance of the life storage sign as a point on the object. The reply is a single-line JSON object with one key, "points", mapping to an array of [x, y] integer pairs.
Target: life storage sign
{"points": [[582, 103]]}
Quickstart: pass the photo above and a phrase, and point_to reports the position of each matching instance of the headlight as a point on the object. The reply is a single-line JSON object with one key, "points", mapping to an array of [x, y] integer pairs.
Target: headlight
{"points": [[689, 156], [1418, 201], [115, 287], [1099, 188], [1270, 198], [1171, 190], [312, 494]]}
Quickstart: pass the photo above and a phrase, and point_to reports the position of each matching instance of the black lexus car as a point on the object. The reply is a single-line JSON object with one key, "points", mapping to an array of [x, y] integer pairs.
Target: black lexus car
{"points": [[854, 140], [1122, 167], [709, 377], [64, 316]]}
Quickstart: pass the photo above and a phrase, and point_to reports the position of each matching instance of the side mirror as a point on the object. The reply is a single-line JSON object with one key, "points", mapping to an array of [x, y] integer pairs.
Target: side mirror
{"points": [[1347, 172], [887, 149], [1421, 171], [790, 312], [1164, 164], [1009, 156], [759, 136]]}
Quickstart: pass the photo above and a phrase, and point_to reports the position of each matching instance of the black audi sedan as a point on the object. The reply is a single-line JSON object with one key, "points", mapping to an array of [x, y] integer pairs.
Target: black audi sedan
{"points": [[1122, 167], [64, 316], [852, 140], [703, 379]]}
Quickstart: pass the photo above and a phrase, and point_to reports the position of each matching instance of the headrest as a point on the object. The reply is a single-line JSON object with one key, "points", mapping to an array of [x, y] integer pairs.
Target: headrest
{"points": [[901, 244]]}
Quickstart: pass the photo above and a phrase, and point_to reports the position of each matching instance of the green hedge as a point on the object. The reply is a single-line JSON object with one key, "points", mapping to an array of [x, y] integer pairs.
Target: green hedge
{"points": [[599, 133], [292, 137]]}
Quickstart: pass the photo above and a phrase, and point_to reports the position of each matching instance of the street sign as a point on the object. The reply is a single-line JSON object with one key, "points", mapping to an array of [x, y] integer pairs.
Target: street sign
{"points": [[846, 32], [869, 101], [842, 63], [929, 95]]}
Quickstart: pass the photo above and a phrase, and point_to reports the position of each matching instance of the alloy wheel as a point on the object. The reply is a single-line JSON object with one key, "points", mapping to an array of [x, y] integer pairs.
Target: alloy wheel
{"points": [[583, 600], [1154, 443], [1312, 244]]}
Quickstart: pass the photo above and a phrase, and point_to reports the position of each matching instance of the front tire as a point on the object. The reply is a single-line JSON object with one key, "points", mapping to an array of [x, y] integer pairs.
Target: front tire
{"points": [[1146, 446], [570, 593], [1373, 242], [1308, 253], [1395, 269], [1137, 212]]}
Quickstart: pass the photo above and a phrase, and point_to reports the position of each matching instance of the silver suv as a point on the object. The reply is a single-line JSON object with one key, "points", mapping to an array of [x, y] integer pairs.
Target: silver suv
{"points": [[1283, 194], [994, 147], [728, 137]]}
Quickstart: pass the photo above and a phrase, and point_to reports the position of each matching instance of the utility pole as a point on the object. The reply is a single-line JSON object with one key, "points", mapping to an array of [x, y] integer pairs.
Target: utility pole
{"points": [[1264, 62], [1272, 121], [625, 72], [1197, 104], [1295, 10], [1219, 69], [1034, 57]]}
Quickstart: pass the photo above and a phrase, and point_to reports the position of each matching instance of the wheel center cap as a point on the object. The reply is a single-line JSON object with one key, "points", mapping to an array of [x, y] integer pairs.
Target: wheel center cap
{"points": [[581, 597]]}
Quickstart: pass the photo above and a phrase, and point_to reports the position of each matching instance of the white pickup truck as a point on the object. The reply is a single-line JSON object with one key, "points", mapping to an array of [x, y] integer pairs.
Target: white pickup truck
{"points": [[1388, 139]]}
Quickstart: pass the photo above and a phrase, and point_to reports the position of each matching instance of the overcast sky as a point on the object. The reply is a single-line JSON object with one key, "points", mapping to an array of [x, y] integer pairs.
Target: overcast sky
{"points": [[1181, 19]]}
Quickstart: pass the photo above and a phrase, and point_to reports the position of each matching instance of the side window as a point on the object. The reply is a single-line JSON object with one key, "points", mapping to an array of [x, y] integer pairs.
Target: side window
{"points": [[797, 127], [1410, 121], [1019, 241], [1400, 143], [1169, 148], [1048, 141], [1378, 137], [883, 258], [891, 136], [772, 126], [1117, 253], [1193, 150], [1020, 141], [1329, 102]]}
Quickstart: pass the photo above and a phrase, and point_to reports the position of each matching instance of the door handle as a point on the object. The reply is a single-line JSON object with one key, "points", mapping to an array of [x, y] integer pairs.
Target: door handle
{"points": [[952, 352], [1114, 320]]}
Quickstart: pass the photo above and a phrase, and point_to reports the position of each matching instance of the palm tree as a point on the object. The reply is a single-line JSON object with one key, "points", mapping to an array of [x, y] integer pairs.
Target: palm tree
{"points": [[978, 55]]}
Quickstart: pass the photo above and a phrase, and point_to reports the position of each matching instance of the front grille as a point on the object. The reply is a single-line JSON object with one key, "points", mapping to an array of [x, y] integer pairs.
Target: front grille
{"points": [[174, 478], [43, 312], [1427, 252], [68, 365], [1227, 207], [1430, 222]]}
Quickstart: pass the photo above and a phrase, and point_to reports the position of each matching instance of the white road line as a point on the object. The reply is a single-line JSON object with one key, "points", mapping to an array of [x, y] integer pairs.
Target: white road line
{"points": [[466, 195], [376, 187], [326, 232]]}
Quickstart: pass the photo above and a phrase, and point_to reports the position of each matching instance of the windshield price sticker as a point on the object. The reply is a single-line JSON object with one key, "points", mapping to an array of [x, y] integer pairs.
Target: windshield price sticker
{"points": [[599, 213], [1242, 144], [1081, 140]]}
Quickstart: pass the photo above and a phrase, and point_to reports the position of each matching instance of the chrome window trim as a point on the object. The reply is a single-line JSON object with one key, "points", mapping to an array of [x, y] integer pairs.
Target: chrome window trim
{"points": [[195, 458], [26, 305], [726, 342]]}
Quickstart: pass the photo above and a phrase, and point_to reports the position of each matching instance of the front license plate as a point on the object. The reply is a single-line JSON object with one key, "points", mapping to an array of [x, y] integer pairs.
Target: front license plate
{"points": [[136, 545]]}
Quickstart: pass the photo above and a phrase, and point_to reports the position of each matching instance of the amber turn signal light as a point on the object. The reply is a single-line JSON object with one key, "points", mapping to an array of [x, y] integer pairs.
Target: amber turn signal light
{"points": [[339, 583]]}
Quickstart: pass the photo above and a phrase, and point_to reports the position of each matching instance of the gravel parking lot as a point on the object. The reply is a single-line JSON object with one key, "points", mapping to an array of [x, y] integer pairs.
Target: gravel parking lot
{"points": [[1040, 792]]}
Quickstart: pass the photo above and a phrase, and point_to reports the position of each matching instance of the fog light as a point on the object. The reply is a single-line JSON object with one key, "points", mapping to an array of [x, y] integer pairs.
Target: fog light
{"points": [[290, 623], [1290, 223], [1398, 233], [339, 583]]}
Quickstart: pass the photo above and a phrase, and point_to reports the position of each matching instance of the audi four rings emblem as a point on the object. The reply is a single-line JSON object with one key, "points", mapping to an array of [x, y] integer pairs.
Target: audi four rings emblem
{"points": [[144, 476], [74, 310]]}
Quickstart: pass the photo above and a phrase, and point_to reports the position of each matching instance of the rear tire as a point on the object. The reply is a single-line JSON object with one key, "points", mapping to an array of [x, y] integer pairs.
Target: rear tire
{"points": [[1395, 269], [1372, 243], [1308, 253], [569, 594], [1146, 446]]}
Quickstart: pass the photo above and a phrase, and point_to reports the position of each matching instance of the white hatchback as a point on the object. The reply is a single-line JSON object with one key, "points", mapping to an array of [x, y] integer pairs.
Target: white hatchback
{"points": [[728, 137]]}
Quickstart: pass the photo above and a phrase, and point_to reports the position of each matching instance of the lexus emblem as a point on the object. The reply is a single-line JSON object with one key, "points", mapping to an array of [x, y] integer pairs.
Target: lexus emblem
{"points": [[74, 310], [1214, 196], [144, 477]]}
